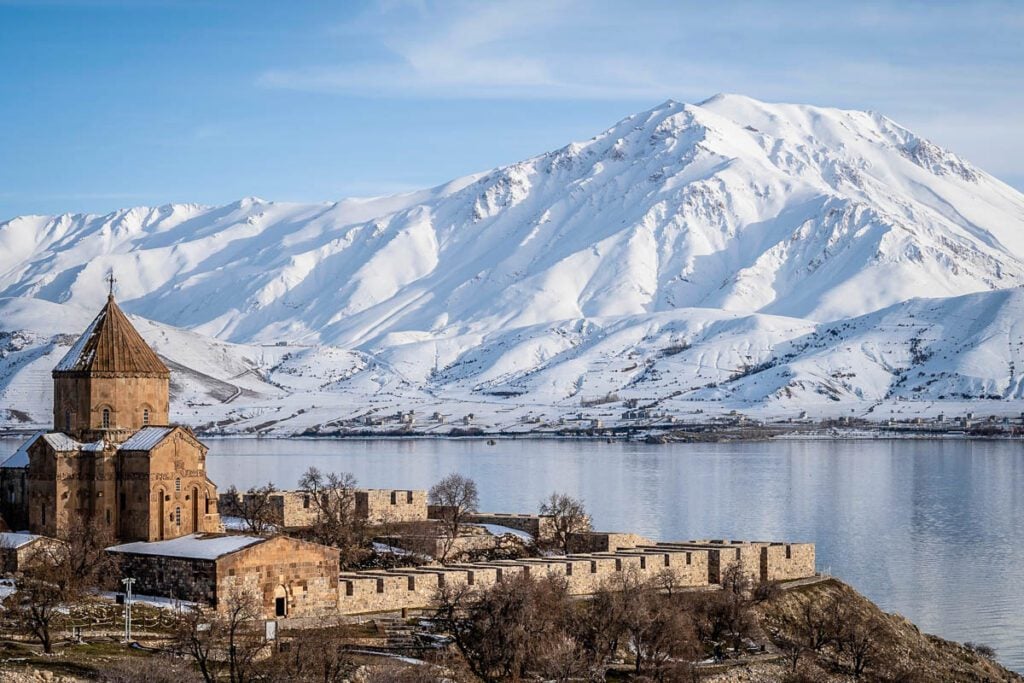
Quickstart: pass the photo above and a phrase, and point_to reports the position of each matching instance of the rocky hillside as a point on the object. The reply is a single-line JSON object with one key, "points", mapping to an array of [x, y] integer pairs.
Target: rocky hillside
{"points": [[894, 649]]}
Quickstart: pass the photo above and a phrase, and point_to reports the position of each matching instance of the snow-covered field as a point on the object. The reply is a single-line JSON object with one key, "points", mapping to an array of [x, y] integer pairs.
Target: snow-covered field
{"points": [[732, 255]]}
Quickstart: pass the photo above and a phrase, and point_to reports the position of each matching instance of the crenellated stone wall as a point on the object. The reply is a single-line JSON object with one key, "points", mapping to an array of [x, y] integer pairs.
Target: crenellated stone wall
{"points": [[760, 560], [297, 509], [391, 590], [541, 527], [606, 541]]}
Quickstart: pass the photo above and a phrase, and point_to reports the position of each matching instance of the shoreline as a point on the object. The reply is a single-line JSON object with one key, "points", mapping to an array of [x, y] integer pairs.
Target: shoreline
{"points": [[648, 438]]}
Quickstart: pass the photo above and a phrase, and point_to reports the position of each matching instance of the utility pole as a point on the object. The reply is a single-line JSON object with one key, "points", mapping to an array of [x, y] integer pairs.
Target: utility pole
{"points": [[128, 609]]}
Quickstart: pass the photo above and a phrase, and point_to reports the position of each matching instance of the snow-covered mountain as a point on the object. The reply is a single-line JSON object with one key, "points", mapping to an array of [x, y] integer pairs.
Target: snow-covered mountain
{"points": [[732, 252]]}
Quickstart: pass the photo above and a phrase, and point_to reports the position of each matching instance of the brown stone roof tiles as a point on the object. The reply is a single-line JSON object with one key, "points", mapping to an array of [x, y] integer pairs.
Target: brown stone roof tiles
{"points": [[111, 344]]}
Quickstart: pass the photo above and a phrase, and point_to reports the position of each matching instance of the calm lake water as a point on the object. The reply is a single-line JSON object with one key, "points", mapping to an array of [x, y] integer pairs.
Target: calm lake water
{"points": [[933, 530]]}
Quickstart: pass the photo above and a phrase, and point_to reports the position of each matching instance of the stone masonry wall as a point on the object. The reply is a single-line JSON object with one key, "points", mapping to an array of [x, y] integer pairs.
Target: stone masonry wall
{"points": [[784, 561], [172, 577], [760, 560], [305, 574], [297, 510], [603, 541], [391, 590], [541, 527], [378, 506]]}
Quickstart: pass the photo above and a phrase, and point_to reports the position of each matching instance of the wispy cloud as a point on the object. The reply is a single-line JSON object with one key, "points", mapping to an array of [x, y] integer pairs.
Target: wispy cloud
{"points": [[925, 64], [581, 50]]}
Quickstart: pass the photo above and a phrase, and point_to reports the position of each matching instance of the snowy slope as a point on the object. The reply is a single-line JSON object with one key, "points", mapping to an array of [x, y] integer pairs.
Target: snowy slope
{"points": [[913, 357], [733, 233]]}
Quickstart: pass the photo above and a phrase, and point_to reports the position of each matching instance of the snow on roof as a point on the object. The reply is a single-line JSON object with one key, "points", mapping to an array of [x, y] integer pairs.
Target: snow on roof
{"points": [[20, 457], [499, 530], [62, 442], [11, 539], [73, 358], [193, 546], [146, 438]]}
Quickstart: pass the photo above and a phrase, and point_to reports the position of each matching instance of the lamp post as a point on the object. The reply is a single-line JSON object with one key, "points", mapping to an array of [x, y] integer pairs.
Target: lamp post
{"points": [[128, 609]]}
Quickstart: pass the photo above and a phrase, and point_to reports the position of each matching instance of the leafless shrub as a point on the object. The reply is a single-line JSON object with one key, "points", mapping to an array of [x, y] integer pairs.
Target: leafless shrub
{"points": [[224, 644], [59, 575], [724, 616], [508, 628], [316, 655], [155, 669], [659, 633]]}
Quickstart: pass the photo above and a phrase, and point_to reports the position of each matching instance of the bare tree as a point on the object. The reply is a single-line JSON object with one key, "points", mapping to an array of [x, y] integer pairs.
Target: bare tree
{"points": [[726, 614], [859, 639], [255, 508], [317, 655], [508, 628], [659, 634], [337, 522], [44, 590], [457, 497], [228, 641], [598, 625], [568, 517], [58, 575]]}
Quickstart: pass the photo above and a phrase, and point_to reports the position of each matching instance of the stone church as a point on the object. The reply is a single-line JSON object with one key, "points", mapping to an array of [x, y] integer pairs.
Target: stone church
{"points": [[112, 455]]}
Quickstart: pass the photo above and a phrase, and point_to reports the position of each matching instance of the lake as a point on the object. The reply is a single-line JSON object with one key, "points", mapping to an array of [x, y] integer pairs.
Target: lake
{"points": [[933, 530]]}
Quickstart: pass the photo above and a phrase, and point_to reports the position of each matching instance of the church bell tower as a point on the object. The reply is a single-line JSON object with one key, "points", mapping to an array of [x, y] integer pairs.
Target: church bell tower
{"points": [[110, 384]]}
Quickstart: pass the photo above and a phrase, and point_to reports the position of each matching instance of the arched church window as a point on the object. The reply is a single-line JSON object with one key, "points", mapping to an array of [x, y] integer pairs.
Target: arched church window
{"points": [[177, 516], [177, 484], [67, 420], [106, 418], [145, 417]]}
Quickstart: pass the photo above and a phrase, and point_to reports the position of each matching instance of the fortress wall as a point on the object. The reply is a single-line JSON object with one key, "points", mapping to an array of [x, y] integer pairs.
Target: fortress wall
{"points": [[724, 554], [604, 541], [391, 505], [689, 563], [541, 527], [784, 561]]}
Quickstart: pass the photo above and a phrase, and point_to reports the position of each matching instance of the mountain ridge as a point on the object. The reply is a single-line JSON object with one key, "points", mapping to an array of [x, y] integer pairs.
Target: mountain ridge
{"points": [[807, 215]]}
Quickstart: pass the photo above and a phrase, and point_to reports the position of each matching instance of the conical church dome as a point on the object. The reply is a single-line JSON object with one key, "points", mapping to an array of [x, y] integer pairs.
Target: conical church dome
{"points": [[111, 345]]}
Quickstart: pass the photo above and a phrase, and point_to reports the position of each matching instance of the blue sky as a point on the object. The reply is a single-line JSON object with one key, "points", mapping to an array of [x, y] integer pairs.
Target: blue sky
{"points": [[107, 103]]}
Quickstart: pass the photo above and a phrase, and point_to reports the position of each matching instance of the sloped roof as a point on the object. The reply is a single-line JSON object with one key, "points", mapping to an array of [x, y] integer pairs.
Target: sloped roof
{"points": [[146, 438], [20, 456], [193, 546], [111, 344], [12, 539], [61, 442]]}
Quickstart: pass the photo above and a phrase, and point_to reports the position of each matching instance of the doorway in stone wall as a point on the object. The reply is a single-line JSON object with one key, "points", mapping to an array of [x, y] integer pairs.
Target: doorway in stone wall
{"points": [[280, 602], [195, 510], [160, 528]]}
